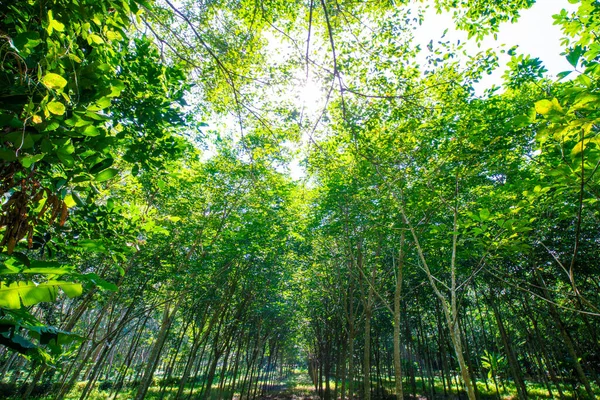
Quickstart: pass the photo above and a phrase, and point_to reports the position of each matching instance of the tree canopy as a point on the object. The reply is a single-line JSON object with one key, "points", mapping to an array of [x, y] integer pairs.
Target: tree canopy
{"points": [[153, 243]]}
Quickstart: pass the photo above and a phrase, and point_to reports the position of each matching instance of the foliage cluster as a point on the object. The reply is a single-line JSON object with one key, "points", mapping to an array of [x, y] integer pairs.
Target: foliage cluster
{"points": [[441, 240]]}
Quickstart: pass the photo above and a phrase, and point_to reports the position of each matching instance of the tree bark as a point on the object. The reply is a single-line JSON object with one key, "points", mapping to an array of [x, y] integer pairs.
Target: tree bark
{"points": [[397, 349], [512, 359], [152, 363]]}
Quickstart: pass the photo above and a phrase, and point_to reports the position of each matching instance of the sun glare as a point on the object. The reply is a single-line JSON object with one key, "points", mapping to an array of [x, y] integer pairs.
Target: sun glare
{"points": [[311, 95]]}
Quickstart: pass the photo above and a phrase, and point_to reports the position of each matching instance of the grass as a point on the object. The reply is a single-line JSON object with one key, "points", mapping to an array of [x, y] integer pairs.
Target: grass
{"points": [[299, 385]]}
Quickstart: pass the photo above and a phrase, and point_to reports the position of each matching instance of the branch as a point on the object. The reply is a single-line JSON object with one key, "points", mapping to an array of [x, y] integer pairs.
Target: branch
{"points": [[336, 72]]}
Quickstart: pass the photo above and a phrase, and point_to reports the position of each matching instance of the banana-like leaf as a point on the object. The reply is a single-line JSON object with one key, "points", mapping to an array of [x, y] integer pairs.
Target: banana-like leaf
{"points": [[29, 293], [16, 342], [20, 264], [47, 334], [97, 281]]}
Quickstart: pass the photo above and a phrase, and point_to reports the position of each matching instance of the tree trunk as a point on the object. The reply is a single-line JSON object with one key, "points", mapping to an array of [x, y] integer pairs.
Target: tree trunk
{"points": [[450, 308], [566, 338], [397, 349], [367, 343], [512, 359], [152, 362]]}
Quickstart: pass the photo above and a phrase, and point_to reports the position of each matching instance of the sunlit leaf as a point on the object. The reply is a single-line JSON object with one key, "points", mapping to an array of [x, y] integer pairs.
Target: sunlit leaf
{"points": [[56, 108], [29, 293], [543, 106], [92, 245], [27, 161], [484, 214], [106, 174], [54, 81], [95, 39]]}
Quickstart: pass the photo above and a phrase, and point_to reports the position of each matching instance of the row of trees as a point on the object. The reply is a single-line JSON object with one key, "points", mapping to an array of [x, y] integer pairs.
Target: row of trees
{"points": [[458, 233], [128, 257], [439, 239]]}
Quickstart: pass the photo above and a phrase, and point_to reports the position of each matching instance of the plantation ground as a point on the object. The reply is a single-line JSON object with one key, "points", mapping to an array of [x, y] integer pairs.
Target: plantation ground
{"points": [[298, 386], [154, 244]]}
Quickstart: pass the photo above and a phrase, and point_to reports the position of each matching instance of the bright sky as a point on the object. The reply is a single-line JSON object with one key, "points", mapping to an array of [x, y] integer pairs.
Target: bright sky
{"points": [[534, 33]]}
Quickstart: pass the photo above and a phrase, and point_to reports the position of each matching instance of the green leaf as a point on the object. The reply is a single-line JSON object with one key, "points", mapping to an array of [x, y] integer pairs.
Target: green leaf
{"points": [[71, 289], [27, 161], [584, 99], [54, 81], [66, 159], [102, 165], [112, 35], [99, 104], [69, 201], [18, 140], [563, 74], [91, 130], [96, 280], [29, 293], [531, 115], [578, 148], [57, 26], [56, 108], [27, 40], [484, 214], [95, 39], [14, 264], [7, 155], [16, 342], [543, 107], [106, 174], [52, 126], [574, 55], [46, 334], [54, 24], [75, 58], [48, 268], [116, 88], [92, 245]]}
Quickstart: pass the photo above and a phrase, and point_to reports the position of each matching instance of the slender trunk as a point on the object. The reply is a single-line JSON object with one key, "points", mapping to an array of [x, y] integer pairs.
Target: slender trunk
{"points": [[198, 341], [197, 364], [544, 352], [512, 359], [442, 353], [411, 369], [483, 330], [449, 308], [224, 369], [152, 362], [188, 366], [342, 366], [235, 370], [129, 358], [566, 338], [211, 374], [468, 359], [351, 335], [367, 343], [259, 367], [338, 366], [397, 298], [36, 377], [171, 365]]}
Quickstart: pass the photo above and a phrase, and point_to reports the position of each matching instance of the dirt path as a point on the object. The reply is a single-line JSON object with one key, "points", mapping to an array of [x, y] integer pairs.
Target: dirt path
{"points": [[296, 387]]}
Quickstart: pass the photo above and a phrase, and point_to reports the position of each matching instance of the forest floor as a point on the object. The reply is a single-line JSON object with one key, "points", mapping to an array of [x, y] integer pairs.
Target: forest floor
{"points": [[298, 386]]}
